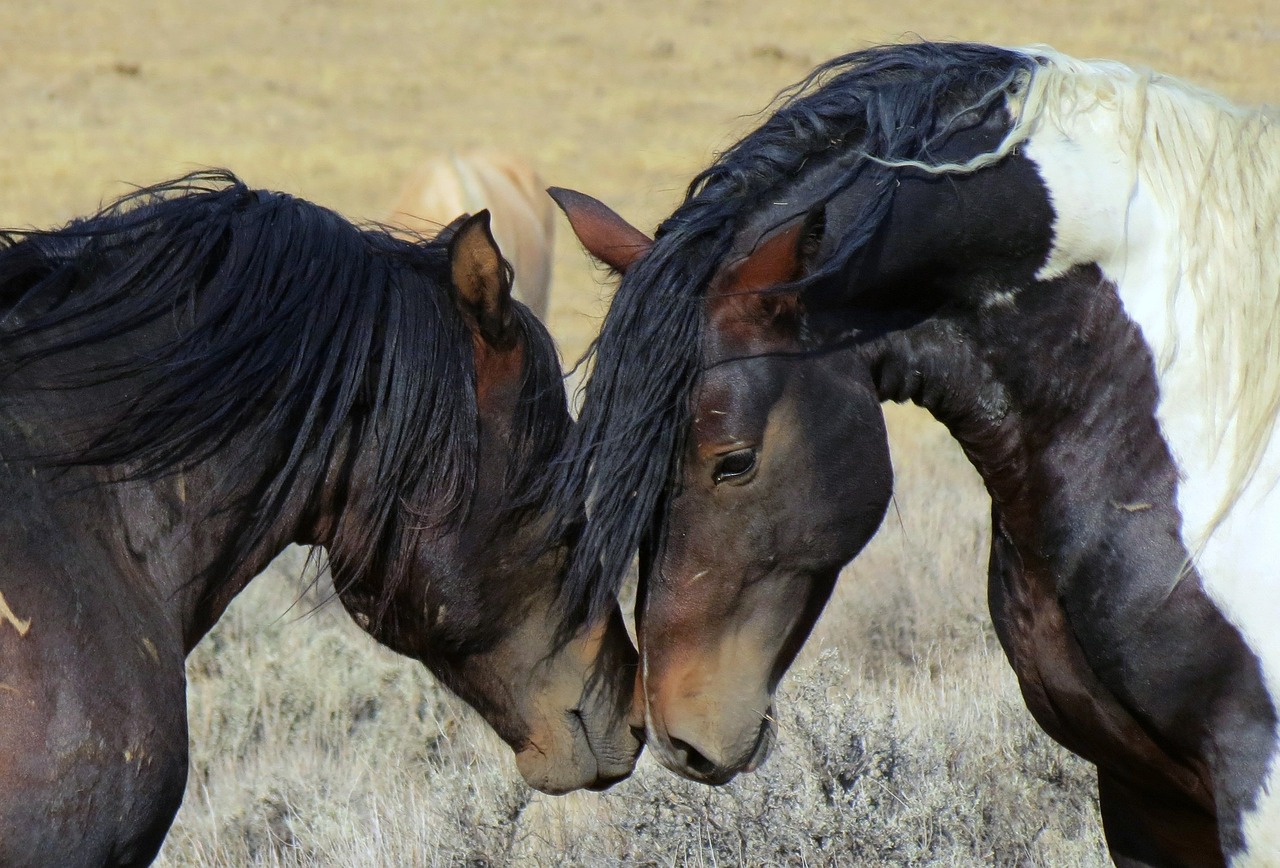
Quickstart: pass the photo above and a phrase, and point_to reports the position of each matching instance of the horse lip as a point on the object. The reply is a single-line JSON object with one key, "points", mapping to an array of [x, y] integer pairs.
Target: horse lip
{"points": [[604, 779], [715, 778], [604, 782], [764, 744]]}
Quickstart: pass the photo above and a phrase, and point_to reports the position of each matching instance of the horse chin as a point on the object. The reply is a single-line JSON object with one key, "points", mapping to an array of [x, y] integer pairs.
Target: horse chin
{"points": [[547, 775], [573, 757], [768, 735], [579, 705]]}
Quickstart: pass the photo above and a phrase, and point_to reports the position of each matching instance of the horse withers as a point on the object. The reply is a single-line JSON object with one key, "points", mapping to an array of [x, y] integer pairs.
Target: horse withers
{"points": [[204, 373], [506, 185], [1074, 267]]}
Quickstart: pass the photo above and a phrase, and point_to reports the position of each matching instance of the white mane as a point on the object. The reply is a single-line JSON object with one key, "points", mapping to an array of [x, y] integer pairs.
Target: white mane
{"points": [[1215, 168]]}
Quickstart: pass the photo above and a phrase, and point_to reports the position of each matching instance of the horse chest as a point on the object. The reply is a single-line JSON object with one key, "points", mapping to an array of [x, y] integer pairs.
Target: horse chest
{"points": [[1061, 689]]}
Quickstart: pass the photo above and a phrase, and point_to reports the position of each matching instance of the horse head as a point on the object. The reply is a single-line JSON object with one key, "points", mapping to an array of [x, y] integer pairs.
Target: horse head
{"points": [[474, 593], [784, 477]]}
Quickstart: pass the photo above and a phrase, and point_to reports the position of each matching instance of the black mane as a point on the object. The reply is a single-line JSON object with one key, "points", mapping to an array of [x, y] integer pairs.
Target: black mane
{"points": [[276, 321], [886, 103]]}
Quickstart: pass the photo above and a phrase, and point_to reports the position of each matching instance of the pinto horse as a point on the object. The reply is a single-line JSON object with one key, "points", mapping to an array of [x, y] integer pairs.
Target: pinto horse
{"points": [[200, 375], [1076, 268], [504, 184]]}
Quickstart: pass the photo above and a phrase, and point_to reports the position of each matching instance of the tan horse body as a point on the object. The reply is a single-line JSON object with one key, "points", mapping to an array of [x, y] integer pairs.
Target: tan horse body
{"points": [[449, 185]]}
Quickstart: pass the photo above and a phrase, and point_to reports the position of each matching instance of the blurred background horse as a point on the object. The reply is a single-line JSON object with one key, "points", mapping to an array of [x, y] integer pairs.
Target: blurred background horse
{"points": [[506, 184]]}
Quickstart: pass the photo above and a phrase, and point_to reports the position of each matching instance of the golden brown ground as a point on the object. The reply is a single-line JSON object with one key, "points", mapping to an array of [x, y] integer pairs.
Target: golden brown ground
{"points": [[336, 101]]}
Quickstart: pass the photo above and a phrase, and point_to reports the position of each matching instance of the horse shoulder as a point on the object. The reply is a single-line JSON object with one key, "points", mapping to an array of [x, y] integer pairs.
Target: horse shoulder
{"points": [[93, 751]]}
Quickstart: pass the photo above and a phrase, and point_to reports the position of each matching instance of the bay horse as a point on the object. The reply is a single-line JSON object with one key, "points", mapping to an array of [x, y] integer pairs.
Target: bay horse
{"points": [[203, 373], [1075, 267], [506, 185]]}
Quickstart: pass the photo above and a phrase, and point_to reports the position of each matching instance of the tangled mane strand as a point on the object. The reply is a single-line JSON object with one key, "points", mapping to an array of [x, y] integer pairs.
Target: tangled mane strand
{"points": [[887, 107], [279, 323]]}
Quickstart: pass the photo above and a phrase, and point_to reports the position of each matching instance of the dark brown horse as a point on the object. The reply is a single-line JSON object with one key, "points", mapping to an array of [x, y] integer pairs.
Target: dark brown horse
{"points": [[1075, 268], [204, 373]]}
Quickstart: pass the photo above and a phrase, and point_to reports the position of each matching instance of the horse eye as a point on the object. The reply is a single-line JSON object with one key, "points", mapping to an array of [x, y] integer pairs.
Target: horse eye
{"points": [[734, 465]]}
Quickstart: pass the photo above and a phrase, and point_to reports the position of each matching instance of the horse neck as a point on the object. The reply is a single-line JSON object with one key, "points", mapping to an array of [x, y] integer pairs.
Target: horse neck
{"points": [[1176, 198], [199, 540], [171, 539], [1052, 397], [1122, 654]]}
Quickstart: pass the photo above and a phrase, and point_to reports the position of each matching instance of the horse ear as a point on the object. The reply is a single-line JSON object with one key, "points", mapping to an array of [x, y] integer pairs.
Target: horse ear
{"points": [[604, 234], [481, 279], [811, 236], [451, 229], [782, 256]]}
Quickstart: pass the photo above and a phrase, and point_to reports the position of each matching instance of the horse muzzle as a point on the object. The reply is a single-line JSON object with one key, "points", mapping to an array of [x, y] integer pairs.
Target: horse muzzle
{"points": [[581, 731], [707, 757], [582, 750]]}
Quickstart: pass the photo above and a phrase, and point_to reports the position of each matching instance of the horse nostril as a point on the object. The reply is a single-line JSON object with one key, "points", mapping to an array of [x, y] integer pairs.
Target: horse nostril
{"points": [[692, 759], [603, 782]]}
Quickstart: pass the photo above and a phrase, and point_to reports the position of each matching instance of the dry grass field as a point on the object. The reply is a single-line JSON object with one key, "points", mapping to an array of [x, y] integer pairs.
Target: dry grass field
{"points": [[904, 740]]}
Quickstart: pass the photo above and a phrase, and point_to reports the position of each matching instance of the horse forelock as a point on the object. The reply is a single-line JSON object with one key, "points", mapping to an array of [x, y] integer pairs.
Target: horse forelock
{"points": [[886, 105], [292, 320], [624, 450]]}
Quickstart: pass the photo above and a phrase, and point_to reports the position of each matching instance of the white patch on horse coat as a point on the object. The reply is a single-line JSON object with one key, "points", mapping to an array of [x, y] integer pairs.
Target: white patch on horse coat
{"points": [[7, 616], [1176, 261]]}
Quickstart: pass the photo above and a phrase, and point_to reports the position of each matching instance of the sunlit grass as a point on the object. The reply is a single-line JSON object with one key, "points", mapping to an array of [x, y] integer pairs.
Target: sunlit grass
{"points": [[904, 739]]}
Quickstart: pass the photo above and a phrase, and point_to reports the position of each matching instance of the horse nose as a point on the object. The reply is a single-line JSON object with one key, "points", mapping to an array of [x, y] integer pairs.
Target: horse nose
{"points": [[697, 765], [709, 763]]}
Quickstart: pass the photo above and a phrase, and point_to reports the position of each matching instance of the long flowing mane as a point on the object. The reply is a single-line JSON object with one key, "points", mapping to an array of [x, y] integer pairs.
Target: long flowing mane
{"points": [[1215, 167], [888, 106], [276, 321]]}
